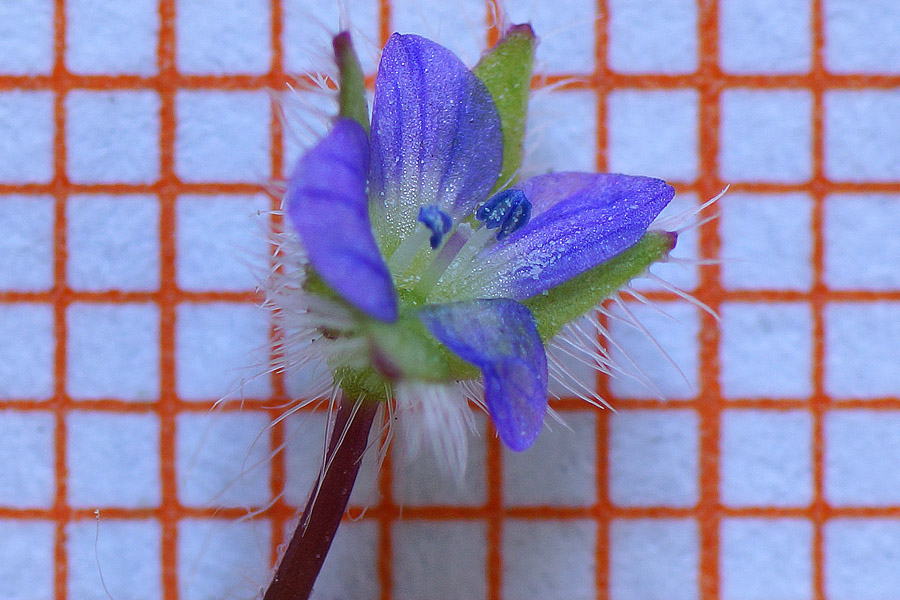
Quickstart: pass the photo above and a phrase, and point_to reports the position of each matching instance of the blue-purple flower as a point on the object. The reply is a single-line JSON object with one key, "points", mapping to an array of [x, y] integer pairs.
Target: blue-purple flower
{"points": [[430, 272]]}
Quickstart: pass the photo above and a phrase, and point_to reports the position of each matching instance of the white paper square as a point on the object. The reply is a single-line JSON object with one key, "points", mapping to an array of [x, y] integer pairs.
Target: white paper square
{"points": [[223, 560], [550, 560], [304, 457], [222, 459], [26, 146], [424, 480], [861, 451], [112, 242], [220, 37], [112, 136], [113, 459], [654, 133], [27, 560], [766, 458], [112, 37], [567, 38], [766, 559], [861, 341], [862, 559], [765, 36], [27, 459], [654, 559], [26, 37], [118, 557], [112, 351], [221, 349], [223, 136], [766, 350], [653, 458], [560, 132], [456, 25], [26, 246], [27, 344], [351, 568], [439, 559], [766, 241], [861, 140], [309, 28], [566, 457], [222, 242], [861, 37], [651, 375], [861, 242], [653, 36], [765, 135]]}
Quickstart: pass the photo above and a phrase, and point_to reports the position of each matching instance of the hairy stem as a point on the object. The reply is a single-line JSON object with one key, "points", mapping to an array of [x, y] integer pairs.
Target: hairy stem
{"points": [[309, 545]]}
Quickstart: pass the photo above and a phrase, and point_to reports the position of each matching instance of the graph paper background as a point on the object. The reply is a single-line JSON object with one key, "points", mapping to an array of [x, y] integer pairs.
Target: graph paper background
{"points": [[133, 140]]}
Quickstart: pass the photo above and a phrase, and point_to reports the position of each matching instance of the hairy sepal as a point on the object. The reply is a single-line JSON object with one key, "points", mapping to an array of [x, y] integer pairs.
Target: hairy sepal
{"points": [[572, 299], [406, 350], [506, 72], [401, 351]]}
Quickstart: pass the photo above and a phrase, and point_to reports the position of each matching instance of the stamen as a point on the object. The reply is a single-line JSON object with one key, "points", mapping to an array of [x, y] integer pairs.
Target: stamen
{"points": [[456, 256], [403, 256], [439, 222], [508, 210]]}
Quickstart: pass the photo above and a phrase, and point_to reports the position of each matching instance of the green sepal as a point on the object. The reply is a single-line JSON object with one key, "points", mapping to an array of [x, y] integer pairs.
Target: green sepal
{"points": [[506, 71], [403, 350], [572, 299], [352, 81], [406, 349]]}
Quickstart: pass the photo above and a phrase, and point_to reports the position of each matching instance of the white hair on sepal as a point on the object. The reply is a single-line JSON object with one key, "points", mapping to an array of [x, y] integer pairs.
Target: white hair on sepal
{"points": [[686, 220], [689, 219], [305, 111], [498, 16], [440, 414], [473, 389], [300, 346], [587, 342], [309, 106]]}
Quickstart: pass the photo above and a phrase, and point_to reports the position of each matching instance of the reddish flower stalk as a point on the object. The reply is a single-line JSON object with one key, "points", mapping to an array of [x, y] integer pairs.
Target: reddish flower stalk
{"points": [[309, 545]]}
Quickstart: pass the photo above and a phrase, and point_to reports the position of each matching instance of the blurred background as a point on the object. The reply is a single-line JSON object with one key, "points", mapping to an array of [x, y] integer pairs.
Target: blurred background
{"points": [[137, 142]]}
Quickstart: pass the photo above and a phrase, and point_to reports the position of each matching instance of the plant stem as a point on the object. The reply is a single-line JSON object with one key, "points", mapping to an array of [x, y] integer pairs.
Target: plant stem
{"points": [[309, 545]]}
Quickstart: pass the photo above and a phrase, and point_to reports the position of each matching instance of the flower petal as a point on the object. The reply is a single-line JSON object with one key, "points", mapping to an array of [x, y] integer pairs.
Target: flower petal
{"points": [[328, 206], [436, 136], [500, 337], [545, 191], [579, 221]]}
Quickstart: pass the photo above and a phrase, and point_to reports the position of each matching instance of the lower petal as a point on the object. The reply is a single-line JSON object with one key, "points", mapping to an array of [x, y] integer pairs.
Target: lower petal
{"points": [[500, 337]]}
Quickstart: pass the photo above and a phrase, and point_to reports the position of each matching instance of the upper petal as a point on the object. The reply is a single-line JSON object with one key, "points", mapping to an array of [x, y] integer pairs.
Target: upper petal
{"points": [[436, 136], [500, 337], [579, 221], [328, 206]]}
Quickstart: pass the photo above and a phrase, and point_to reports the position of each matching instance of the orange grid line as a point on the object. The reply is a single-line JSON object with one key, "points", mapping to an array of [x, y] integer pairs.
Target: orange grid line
{"points": [[819, 401], [709, 403]]}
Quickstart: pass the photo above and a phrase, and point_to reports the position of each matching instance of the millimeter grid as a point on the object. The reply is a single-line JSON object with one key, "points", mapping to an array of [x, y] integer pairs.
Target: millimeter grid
{"points": [[709, 80]]}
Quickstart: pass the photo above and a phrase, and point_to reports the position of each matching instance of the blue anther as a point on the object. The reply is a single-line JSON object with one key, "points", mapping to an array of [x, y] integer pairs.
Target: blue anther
{"points": [[437, 221], [518, 216], [509, 210]]}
